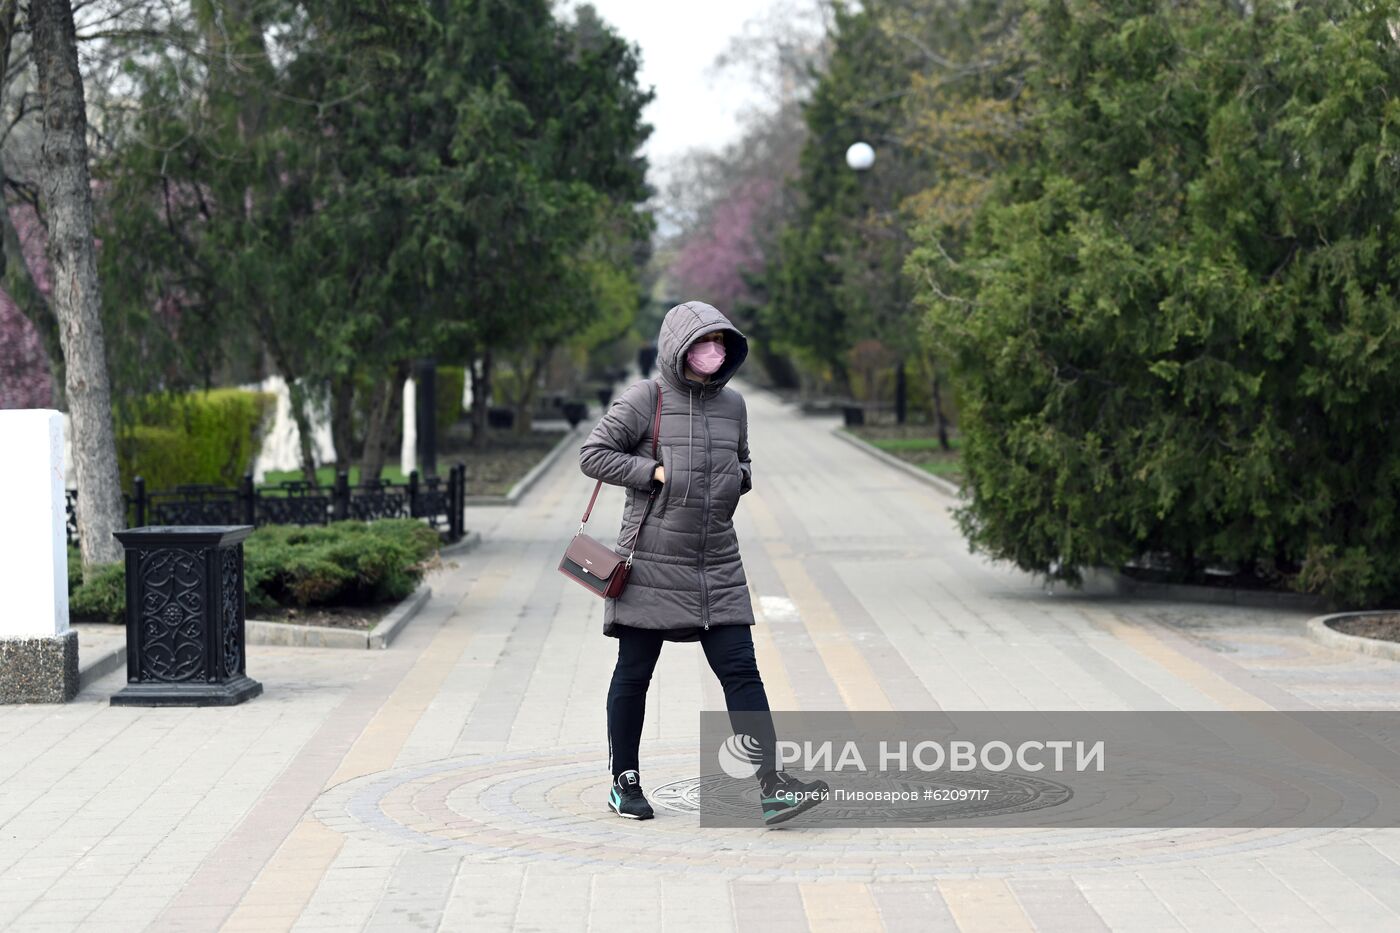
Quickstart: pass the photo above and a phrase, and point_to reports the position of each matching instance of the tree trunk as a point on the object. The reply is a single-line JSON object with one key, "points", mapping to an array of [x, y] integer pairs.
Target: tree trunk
{"points": [[386, 407], [66, 194], [841, 380], [300, 405], [525, 406], [343, 421], [901, 397], [372, 465], [938, 415], [481, 389]]}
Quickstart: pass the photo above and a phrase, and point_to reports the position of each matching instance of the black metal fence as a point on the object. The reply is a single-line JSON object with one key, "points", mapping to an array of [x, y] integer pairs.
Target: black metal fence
{"points": [[438, 500]]}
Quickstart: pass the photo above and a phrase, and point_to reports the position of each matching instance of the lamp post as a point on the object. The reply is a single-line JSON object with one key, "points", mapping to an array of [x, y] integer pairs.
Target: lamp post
{"points": [[425, 415], [860, 157]]}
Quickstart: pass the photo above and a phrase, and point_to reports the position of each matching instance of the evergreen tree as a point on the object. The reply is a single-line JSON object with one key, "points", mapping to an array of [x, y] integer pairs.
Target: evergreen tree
{"points": [[363, 185], [1173, 325]]}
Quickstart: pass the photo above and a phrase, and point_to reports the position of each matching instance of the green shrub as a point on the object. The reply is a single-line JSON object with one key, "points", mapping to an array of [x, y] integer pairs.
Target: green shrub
{"points": [[75, 567], [344, 564], [203, 437], [101, 600], [347, 563], [160, 456]]}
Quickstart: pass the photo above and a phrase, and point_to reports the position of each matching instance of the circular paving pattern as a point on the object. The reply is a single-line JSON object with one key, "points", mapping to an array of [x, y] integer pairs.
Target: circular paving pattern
{"points": [[536, 807], [736, 802]]}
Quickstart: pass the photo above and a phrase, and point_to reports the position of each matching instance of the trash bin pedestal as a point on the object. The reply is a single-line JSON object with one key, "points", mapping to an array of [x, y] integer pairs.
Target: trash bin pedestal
{"points": [[185, 611]]}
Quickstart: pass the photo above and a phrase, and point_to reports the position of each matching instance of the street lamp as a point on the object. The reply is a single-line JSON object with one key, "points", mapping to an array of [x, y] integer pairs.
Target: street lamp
{"points": [[860, 156]]}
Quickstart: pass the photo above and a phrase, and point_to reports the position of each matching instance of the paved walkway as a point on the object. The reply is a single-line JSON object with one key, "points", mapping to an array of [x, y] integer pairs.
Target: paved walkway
{"points": [[456, 781]]}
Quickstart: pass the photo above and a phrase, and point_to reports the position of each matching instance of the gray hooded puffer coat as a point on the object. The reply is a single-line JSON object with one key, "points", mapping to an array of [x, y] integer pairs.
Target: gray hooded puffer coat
{"points": [[687, 575]]}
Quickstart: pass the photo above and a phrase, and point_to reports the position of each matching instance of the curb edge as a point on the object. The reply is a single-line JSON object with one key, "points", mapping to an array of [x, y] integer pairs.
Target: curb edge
{"points": [[1323, 633], [526, 482], [108, 660], [290, 635], [947, 487]]}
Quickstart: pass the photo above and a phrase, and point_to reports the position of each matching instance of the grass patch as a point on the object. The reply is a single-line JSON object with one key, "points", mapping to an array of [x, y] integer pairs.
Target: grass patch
{"points": [[901, 444], [949, 468], [916, 444], [325, 476]]}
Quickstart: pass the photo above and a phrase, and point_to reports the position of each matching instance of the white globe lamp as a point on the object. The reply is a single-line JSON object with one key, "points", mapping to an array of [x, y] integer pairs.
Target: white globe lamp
{"points": [[860, 156]]}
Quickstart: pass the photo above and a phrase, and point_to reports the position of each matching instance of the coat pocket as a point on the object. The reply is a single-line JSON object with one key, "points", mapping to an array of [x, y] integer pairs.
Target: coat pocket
{"points": [[663, 495], [734, 489]]}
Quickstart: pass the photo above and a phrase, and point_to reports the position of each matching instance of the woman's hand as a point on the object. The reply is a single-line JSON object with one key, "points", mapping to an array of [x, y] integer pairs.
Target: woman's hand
{"points": [[607, 454], [659, 474]]}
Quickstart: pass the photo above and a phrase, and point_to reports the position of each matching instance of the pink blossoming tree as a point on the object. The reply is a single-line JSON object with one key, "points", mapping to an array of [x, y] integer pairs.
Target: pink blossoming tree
{"points": [[26, 375]]}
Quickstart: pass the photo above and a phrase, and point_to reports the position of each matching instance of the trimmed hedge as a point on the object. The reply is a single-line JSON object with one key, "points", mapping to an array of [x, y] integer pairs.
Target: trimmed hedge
{"points": [[203, 437], [343, 564], [101, 600]]}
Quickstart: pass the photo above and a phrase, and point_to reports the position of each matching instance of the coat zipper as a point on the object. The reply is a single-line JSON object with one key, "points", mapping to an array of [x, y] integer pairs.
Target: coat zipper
{"points": [[705, 521]]}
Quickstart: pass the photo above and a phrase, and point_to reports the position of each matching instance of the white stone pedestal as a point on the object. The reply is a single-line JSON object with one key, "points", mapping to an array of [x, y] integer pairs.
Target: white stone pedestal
{"points": [[38, 651], [408, 451]]}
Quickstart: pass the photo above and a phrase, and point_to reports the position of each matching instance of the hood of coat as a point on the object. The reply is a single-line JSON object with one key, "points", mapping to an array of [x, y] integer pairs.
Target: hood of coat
{"points": [[679, 329]]}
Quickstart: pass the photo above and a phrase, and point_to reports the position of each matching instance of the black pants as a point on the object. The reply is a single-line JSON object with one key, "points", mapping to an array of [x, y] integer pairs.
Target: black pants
{"points": [[728, 648]]}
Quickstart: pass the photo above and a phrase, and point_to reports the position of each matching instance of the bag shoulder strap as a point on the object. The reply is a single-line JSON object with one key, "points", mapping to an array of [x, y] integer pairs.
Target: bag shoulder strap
{"points": [[655, 435]]}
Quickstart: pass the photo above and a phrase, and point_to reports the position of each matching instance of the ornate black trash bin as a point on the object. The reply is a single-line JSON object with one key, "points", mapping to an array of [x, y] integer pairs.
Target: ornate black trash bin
{"points": [[184, 616]]}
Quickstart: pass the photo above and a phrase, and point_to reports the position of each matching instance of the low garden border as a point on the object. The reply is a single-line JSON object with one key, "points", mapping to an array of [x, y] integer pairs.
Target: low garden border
{"points": [[947, 487], [291, 635], [112, 657], [1123, 585], [1321, 631], [526, 482], [106, 659]]}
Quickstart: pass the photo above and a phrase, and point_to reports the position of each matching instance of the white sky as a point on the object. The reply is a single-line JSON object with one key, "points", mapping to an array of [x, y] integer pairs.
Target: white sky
{"points": [[680, 40]]}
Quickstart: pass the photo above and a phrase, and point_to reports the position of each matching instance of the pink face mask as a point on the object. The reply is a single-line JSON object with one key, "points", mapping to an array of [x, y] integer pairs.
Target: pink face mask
{"points": [[706, 357]]}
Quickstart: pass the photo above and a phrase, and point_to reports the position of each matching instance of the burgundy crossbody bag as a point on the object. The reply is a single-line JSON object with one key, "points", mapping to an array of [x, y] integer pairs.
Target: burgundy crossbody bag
{"points": [[591, 562]]}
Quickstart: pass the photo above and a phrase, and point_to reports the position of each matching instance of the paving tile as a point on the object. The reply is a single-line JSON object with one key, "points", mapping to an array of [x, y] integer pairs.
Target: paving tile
{"points": [[456, 781]]}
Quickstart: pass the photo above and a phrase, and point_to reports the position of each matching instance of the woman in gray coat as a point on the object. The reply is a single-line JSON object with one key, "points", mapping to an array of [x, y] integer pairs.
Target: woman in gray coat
{"points": [[687, 581]]}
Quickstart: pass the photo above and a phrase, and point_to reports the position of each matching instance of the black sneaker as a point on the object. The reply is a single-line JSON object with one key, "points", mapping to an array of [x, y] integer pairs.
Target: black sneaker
{"points": [[626, 797], [785, 796]]}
